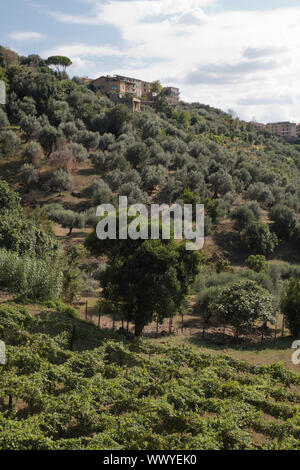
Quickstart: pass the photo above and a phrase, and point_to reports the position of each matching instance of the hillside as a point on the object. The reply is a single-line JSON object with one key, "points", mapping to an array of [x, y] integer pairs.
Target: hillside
{"points": [[70, 386], [72, 307]]}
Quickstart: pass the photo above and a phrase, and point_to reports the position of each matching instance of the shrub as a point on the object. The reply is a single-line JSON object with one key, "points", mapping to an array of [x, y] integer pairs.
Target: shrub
{"points": [[290, 306], [79, 152], [4, 122], [257, 263], [242, 216], [60, 181], [30, 126], [137, 153], [258, 239], [90, 140], [102, 193], [32, 152], [29, 277], [28, 175], [48, 137], [9, 143], [242, 304], [284, 220], [106, 140]]}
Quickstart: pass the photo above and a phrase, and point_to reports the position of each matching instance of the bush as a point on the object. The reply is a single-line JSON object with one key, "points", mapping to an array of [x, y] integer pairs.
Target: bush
{"points": [[28, 175], [137, 153], [32, 152], [262, 193], [90, 140], [29, 277], [102, 193], [4, 122], [9, 199], [242, 304], [257, 263], [9, 143], [79, 152], [48, 137], [284, 220], [30, 126], [242, 216], [258, 239], [60, 181], [290, 306]]}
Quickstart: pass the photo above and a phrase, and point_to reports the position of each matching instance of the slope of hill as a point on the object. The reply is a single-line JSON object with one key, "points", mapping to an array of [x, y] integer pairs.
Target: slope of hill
{"points": [[65, 149], [70, 386]]}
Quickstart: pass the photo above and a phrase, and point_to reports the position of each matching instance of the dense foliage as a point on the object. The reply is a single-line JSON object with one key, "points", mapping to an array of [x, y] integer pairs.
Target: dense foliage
{"points": [[67, 386]]}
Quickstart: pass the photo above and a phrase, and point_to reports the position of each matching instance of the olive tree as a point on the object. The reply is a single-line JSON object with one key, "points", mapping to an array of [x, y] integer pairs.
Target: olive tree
{"points": [[242, 304], [258, 239]]}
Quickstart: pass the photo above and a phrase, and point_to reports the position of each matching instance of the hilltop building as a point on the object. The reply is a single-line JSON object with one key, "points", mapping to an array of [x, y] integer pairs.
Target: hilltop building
{"points": [[172, 95], [120, 84], [282, 129], [131, 91], [133, 103], [259, 126]]}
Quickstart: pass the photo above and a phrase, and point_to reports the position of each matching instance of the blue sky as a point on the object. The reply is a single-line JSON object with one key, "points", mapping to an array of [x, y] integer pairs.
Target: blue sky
{"points": [[237, 54]]}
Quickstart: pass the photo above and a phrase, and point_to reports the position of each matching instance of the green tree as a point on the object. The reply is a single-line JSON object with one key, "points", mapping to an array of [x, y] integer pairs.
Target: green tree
{"points": [[221, 182], [48, 138], [242, 304], [258, 239], [9, 143], [257, 263], [156, 87], [9, 199], [284, 220], [60, 63], [242, 216], [28, 175], [137, 153], [290, 303], [154, 280], [60, 181], [116, 118]]}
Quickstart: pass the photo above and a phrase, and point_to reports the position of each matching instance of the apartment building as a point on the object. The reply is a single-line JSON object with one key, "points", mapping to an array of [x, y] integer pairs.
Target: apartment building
{"points": [[259, 126], [133, 103], [121, 84], [172, 95], [282, 129], [109, 85]]}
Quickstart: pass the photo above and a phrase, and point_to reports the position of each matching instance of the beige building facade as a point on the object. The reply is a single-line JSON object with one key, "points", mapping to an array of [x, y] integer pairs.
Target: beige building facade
{"points": [[172, 95], [282, 129], [121, 84]]}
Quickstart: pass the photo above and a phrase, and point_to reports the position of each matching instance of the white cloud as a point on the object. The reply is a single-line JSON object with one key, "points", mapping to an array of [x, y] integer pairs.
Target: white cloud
{"points": [[192, 17], [217, 58], [84, 50], [26, 36], [135, 10]]}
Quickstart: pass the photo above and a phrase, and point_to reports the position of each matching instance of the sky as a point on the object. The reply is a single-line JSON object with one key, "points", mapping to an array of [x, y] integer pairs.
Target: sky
{"points": [[242, 55]]}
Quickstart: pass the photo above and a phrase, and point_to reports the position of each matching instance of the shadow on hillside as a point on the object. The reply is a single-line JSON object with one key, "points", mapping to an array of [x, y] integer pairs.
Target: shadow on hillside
{"points": [[9, 169], [219, 342], [87, 171], [84, 335], [231, 246]]}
